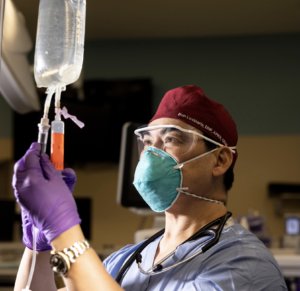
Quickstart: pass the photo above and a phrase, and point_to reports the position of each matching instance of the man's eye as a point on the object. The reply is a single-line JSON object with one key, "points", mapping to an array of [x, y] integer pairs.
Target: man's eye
{"points": [[171, 139], [147, 142]]}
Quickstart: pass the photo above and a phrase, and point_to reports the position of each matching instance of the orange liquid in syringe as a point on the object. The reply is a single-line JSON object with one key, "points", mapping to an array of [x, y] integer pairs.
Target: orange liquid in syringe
{"points": [[57, 150]]}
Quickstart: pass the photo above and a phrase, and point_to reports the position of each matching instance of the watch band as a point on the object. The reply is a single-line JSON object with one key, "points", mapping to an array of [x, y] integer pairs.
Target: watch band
{"points": [[61, 261]]}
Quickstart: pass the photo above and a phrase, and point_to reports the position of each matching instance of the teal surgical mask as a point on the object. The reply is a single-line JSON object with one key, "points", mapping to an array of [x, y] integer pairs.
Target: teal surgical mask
{"points": [[158, 178]]}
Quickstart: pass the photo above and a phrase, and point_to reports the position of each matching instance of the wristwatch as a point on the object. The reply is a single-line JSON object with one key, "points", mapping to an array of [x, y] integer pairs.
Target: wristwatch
{"points": [[61, 261]]}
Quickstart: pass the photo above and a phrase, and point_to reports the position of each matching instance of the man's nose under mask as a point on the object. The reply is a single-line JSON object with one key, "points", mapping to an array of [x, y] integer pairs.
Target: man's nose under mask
{"points": [[158, 179]]}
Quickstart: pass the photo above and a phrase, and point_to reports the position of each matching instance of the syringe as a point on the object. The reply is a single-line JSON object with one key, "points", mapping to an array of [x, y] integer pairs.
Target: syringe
{"points": [[43, 133], [57, 143], [57, 134]]}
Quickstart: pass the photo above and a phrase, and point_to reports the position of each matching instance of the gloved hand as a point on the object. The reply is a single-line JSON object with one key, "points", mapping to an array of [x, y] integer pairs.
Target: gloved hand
{"points": [[27, 227], [69, 176], [41, 191]]}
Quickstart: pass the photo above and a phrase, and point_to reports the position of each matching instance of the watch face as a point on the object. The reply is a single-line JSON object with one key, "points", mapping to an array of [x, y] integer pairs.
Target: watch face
{"points": [[58, 264]]}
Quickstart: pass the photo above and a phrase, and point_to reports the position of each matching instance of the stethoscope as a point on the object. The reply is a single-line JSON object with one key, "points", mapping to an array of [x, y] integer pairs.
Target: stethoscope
{"points": [[158, 268]]}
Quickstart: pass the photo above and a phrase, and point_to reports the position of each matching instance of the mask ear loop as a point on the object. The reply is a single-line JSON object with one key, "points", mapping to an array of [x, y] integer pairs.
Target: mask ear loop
{"points": [[182, 190], [185, 189], [180, 165]]}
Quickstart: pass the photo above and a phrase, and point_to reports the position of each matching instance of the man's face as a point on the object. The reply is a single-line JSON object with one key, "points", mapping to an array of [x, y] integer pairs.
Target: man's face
{"points": [[183, 142], [180, 140]]}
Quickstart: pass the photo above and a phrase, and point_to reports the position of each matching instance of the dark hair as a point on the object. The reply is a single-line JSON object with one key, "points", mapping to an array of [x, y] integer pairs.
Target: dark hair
{"points": [[229, 175]]}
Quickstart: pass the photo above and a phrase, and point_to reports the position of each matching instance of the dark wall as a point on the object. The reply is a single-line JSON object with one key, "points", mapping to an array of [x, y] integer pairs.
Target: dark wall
{"points": [[257, 78]]}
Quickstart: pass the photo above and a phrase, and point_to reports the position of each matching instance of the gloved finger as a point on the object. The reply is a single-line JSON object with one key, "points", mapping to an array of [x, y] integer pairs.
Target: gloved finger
{"points": [[70, 177], [35, 146], [20, 165], [27, 170], [48, 168], [20, 182], [16, 179], [29, 166], [69, 173], [26, 219]]}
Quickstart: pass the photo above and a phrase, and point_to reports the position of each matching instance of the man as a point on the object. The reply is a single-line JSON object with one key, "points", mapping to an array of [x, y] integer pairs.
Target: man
{"points": [[188, 151]]}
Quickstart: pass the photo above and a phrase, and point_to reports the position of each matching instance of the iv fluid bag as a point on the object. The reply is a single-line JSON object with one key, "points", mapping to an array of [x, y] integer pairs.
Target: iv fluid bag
{"points": [[59, 42]]}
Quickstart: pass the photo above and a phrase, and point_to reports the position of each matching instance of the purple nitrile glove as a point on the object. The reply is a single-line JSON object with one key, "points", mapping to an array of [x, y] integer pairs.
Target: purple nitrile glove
{"points": [[41, 190], [27, 227], [69, 176]]}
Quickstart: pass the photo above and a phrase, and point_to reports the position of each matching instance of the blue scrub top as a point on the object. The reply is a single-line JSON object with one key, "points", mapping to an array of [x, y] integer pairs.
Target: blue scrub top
{"points": [[239, 261]]}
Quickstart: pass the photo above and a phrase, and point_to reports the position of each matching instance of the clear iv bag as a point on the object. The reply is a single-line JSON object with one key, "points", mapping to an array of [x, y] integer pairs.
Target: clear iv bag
{"points": [[59, 42]]}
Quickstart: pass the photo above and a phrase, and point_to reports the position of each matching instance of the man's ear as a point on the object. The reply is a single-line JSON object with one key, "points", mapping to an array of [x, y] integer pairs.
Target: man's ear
{"points": [[224, 159]]}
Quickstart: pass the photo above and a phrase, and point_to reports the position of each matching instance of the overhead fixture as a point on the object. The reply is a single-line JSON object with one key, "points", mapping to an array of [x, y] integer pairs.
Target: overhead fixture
{"points": [[17, 84]]}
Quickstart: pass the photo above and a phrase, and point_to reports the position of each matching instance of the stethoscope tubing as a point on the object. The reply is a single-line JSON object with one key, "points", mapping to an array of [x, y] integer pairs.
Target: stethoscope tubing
{"points": [[158, 268]]}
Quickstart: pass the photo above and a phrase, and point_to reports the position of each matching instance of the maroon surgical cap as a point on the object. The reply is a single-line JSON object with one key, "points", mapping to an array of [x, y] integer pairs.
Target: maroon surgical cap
{"points": [[190, 105]]}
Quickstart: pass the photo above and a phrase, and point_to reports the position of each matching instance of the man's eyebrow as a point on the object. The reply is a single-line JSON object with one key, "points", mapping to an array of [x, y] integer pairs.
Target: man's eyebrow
{"points": [[169, 129], [146, 132], [161, 132]]}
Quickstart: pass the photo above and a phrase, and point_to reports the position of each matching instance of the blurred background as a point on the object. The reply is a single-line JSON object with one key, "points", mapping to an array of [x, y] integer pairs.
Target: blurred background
{"points": [[244, 54]]}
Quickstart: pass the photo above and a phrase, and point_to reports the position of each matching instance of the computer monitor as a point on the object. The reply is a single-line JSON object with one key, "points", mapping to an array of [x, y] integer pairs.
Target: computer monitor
{"points": [[127, 195]]}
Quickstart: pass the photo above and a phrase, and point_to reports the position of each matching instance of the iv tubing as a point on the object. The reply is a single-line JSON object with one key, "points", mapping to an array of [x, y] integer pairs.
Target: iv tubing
{"points": [[44, 123], [57, 101], [50, 92], [34, 253]]}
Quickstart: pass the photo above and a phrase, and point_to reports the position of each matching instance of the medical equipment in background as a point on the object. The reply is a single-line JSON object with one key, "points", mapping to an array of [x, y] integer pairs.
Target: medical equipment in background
{"points": [[57, 62], [291, 237], [256, 223]]}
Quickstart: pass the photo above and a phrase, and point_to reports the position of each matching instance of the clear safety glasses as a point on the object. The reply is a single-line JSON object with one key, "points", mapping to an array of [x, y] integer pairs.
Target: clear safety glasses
{"points": [[171, 138]]}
